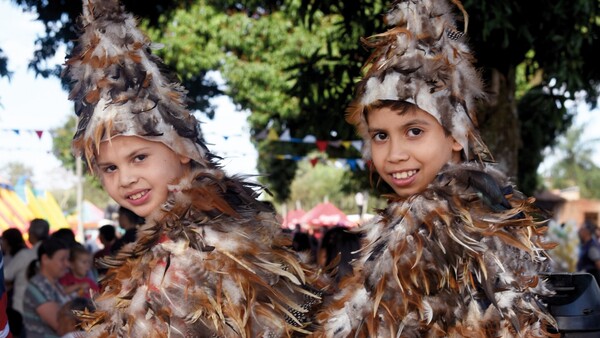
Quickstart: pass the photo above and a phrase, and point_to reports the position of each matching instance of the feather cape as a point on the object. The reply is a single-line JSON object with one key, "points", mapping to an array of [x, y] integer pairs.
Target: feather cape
{"points": [[209, 264], [460, 259]]}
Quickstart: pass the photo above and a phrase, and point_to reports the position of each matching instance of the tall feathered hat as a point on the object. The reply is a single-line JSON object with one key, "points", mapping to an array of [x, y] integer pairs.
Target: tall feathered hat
{"points": [[423, 59], [121, 88]]}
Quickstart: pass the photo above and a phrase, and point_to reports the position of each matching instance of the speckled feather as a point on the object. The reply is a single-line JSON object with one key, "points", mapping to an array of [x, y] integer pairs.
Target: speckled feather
{"points": [[202, 267], [452, 261]]}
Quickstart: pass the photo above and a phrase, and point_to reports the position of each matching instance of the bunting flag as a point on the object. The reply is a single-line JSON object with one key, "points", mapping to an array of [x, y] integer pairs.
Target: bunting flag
{"points": [[353, 163], [271, 135], [19, 132]]}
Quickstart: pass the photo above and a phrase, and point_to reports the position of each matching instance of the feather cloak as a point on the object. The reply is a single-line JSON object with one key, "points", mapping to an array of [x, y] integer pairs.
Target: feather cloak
{"points": [[211, 263], [460, 259]]}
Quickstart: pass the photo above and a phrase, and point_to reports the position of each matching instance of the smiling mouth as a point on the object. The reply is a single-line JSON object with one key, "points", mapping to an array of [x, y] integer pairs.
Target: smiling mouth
{"points": [[137, 196], [404, 174]]}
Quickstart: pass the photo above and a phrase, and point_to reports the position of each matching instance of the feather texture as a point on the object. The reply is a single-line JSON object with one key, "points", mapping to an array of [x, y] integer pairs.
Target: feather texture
{"points": [[121, 88], [206, 268], [447, 263], [423, 59]]}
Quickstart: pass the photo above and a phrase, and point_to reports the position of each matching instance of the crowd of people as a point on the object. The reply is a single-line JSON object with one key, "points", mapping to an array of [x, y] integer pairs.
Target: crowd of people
{"points": [[54, 275]]}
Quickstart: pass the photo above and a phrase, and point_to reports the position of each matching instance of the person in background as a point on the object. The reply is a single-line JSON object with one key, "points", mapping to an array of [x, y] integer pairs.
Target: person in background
{"points": [[44, 295], [70, 325], [4, 324], [12, 243], [16, 271], [129, 222], [77, 282], [66, 235], [589, 253], [107, 235], [340, 246]]}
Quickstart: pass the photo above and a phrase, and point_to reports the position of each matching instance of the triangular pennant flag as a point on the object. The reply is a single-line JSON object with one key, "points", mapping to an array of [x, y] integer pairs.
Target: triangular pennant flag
{"points": [[346, 144], [322, 145], [280, 157], [285, 136], [314, 161], [39, 133], [225, 137], [297, 158], [357, 145], [17, 131], [336, 144], [262, 135], [309, 139], [352, 163], [272, 135], [361, 164]]}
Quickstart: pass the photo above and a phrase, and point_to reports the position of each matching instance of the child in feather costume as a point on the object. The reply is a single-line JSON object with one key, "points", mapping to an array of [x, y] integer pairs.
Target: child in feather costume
{"points": [[457, 252], [209, 260]]}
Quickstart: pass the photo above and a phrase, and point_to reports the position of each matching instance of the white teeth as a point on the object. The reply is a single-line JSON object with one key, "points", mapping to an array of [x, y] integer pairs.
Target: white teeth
{"points": [[137, 196], [404, 174]]}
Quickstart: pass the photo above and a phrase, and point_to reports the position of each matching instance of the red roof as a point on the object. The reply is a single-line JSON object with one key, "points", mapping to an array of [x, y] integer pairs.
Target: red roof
{"points": [[326, 214]]}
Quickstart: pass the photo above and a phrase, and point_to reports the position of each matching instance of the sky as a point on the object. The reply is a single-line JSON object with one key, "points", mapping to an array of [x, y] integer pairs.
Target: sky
{"points": [[30, 105], [33, 106]]}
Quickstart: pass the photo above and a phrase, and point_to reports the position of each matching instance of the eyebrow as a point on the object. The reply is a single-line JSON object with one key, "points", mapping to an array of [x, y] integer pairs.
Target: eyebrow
{"points": [[410, 123], [131, 154]]}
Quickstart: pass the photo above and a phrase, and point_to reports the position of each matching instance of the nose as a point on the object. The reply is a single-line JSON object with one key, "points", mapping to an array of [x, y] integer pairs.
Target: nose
{"points": [[398, 151], [127, 177]]}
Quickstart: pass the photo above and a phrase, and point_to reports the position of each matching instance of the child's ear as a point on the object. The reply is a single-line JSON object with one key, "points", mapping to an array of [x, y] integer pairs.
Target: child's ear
{"points": [[456, 146], [184, 160]]}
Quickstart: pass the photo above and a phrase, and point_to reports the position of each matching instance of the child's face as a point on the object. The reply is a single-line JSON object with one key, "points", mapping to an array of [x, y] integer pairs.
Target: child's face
{"points": [[409, 149], [81, 265], [135, 172]]}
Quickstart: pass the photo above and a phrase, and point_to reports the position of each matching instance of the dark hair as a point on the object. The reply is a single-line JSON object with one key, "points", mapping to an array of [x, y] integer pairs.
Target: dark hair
{"points": [[48, 247], [40, 228], [131, 216], [108, 232], [14, 238], [66, 235], [402, 107], [76, 250]]}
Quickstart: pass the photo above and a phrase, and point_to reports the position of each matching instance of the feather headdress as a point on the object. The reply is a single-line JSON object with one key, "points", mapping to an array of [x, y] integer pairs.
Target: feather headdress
{"points": [[423, 59], [121, 88]]}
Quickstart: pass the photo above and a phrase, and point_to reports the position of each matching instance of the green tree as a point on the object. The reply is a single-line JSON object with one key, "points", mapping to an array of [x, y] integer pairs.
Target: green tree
{"points": [[15, 171], [61, 147], [294, 63], [575, 166]]}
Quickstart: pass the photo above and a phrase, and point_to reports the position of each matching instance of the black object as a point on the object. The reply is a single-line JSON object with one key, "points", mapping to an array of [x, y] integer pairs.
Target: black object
{"points": [[576, 304]]}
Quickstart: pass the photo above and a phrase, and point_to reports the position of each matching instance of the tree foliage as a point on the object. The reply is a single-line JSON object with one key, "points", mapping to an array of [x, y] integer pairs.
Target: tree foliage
{"points": [[294, 63], [61, 147], [575, 166]]}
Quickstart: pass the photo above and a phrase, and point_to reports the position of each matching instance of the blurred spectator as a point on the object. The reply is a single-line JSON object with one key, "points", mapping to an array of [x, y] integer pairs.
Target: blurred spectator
{"points": [[69, 325], [44, 295], [12, 243], [589, 253], [129, 222], [340, 246], [107, 235], [300, 240], [16, 270], [66, 235], [76, 282], [4, 325]]}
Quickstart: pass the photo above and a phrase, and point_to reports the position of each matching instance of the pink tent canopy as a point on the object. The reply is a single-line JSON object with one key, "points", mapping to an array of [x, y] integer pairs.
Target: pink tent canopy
{"points": [[292, 218], [325, 215]]}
